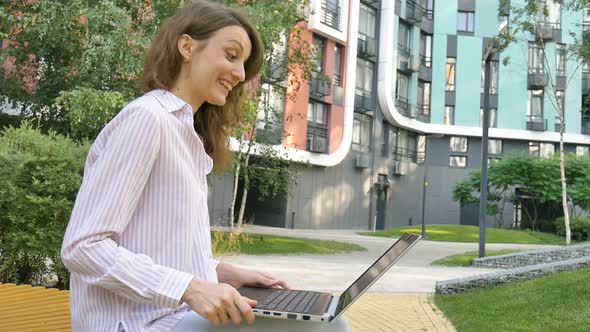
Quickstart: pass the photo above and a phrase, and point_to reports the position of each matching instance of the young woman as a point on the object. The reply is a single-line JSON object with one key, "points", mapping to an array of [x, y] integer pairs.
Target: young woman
{"points": [[138, 242]]}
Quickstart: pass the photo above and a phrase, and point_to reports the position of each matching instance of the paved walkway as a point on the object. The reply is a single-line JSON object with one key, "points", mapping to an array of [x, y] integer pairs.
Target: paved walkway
{"points": [[399, 301]]}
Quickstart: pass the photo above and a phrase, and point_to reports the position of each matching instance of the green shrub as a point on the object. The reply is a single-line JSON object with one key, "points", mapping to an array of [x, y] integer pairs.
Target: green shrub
{"points": [[87, 111], [39, 178], [9, 120], [580, 228]]}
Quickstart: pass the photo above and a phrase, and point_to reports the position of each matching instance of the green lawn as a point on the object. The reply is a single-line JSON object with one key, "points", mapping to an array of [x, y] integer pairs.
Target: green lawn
{"points": [[554, 303], [460, 233], [258, 244], [466, 258]]}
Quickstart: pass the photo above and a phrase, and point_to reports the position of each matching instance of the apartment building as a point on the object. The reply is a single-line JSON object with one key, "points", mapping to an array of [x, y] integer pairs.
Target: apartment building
{"points": [[401, 121]]}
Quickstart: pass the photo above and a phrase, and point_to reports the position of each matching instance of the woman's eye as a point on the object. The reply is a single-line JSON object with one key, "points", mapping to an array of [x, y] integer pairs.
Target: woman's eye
{"points": [[231, 56]]}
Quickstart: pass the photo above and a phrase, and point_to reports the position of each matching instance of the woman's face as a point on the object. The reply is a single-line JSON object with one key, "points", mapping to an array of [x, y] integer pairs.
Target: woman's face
{"points": [[213, 71]]}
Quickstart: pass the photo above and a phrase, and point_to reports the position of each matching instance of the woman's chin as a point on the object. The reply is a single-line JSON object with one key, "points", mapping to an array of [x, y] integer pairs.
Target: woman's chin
{"points": [[218, 101]]}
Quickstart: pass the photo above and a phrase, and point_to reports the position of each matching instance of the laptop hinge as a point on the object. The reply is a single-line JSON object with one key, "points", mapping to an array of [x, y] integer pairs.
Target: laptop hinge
{"points": [[333, 305]]}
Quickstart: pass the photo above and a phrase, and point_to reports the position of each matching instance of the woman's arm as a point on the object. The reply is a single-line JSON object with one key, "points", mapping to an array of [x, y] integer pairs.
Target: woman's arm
{"points": [[104, 205]]}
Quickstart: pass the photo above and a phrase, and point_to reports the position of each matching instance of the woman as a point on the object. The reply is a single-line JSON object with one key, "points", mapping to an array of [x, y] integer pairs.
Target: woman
{"points": [[138, 242]]}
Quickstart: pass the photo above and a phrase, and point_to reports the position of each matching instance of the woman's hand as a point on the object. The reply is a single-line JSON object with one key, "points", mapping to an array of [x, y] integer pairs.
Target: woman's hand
{"points": [[219, 303], [239, 277]]}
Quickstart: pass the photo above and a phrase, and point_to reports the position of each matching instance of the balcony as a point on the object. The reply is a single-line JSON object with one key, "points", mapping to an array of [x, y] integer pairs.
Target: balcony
{"points": [[319, 87], [405, 62], [414, 12], [585, 124], [400, 153], [330, 14], [406, 109], [547, 30], [537, 78], [366, 47], [536, 123], [364, 101]]}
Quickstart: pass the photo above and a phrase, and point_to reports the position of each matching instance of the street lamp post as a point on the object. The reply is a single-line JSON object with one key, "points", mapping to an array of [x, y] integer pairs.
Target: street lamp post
{"points": [[483, 190], [424, 185]]}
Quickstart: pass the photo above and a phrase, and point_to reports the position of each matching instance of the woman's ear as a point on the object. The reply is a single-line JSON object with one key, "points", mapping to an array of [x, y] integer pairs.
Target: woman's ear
{"points": [[185, 46]]}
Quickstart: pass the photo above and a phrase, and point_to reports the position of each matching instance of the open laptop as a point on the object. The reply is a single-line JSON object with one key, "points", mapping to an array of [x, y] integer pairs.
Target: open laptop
{"points": [[324, 307]]}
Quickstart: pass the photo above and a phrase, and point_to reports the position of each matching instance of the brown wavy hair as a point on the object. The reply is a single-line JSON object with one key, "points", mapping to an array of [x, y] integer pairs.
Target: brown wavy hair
{"points": [[201, 20]]}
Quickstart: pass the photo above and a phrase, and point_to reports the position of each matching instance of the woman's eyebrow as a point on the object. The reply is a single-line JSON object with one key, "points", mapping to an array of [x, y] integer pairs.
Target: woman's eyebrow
{"points": [[239, 44]]}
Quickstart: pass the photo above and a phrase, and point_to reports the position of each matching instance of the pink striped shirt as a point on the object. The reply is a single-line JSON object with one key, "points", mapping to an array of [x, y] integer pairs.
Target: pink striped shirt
{"points": [[139, 230]]}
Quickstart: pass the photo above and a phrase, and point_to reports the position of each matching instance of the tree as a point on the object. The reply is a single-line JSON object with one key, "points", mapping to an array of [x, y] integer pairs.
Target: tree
{"points": [[529, 181], [62, 46], [288, 60], [532, 21], [64, 52]]}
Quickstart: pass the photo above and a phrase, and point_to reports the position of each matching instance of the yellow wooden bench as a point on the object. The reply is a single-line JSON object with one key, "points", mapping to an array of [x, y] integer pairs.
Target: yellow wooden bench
{"points": [[32, 309]]}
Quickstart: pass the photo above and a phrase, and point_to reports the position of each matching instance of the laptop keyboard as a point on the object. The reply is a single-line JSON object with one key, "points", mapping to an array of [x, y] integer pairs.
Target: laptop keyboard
{"points": [[289, 300]]}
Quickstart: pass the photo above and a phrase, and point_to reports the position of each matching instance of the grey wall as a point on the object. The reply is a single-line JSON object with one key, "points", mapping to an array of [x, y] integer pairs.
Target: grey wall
{"points": [[331, 197]]}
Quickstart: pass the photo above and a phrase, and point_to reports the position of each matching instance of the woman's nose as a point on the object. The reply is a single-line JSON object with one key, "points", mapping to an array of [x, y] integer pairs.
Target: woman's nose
{"points": [[239, 72]]}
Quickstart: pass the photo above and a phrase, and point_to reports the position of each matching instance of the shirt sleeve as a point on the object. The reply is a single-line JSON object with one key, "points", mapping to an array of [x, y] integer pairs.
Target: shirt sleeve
{"points": [[110, 191]]}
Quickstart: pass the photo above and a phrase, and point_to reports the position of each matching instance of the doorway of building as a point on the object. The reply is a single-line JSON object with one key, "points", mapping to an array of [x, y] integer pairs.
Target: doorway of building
{"points": [[382, 187]]}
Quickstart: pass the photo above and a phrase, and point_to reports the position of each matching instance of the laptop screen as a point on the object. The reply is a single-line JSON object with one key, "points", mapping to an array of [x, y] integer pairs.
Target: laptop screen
{"points": [[375, 271]]}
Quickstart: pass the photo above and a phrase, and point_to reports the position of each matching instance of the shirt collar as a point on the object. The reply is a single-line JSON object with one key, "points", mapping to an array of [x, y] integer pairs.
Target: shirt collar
{"points": [[172, 103]]}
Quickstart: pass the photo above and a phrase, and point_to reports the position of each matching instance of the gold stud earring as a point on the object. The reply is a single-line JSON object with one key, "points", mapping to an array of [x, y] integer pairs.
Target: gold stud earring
{"points": [[185, 60]]}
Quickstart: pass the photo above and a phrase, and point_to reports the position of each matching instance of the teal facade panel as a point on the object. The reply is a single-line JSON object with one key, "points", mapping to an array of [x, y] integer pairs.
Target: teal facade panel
{"points": [[468, 81], [486, 18], [437, 95], [445, 17], [512, 87]]}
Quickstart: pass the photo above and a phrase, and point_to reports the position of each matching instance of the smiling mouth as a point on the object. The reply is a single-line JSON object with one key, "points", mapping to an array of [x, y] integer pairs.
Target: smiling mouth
{"points": [[227, 85]]}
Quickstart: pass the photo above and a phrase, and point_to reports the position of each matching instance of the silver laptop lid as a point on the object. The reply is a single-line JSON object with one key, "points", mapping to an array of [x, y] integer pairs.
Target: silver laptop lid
{"points": [[375, 271]]}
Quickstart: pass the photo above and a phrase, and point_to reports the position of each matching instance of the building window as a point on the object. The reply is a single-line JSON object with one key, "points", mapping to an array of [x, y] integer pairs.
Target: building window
{"points": [[536, 64], [429, 9], [367, 22], [582, 150], [458, 144], [495, 147], [331, 13], [458, 161], [271, 108], [560, 59], [424, 98], [549, 12], [364, 77], [318, 46], [493, 118], [493, 77], [546, 150], [586, 18], [389, 138], [317, 127], [535, 106], [449, 116], [361, 132], [450, 85], [401, 90], [465, 21], [426, 49], [404, 38], [338, 65]]}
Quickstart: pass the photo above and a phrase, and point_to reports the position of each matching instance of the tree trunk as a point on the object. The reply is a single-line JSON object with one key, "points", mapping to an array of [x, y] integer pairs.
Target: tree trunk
{"points": [[244, 193], [566, 216], [232, 206]]}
